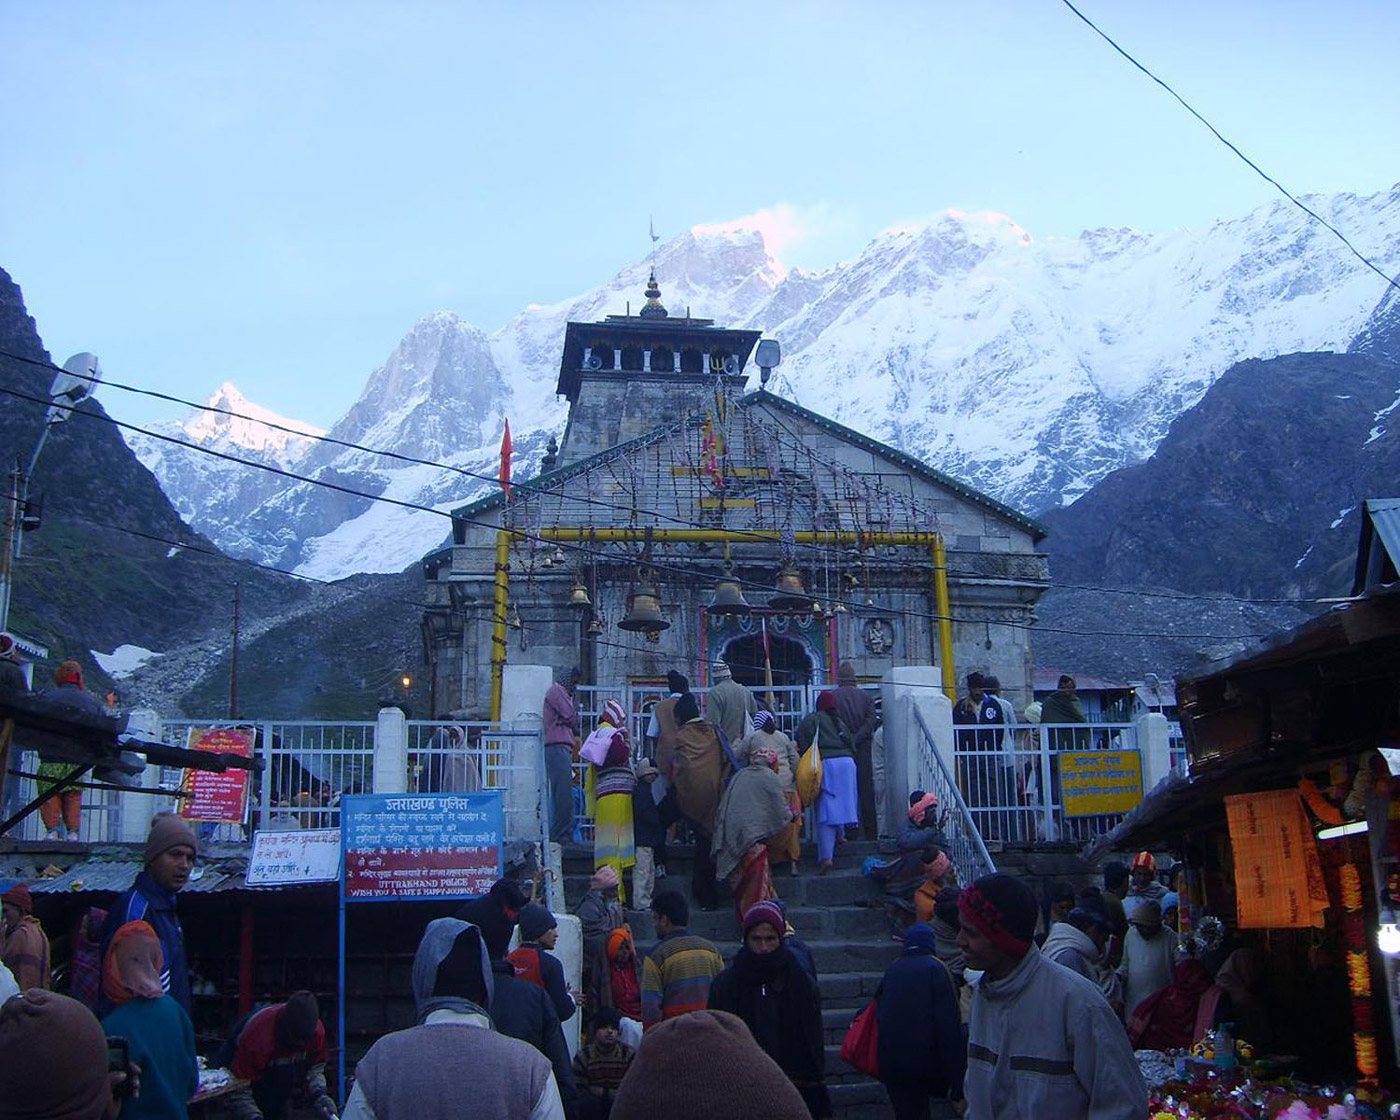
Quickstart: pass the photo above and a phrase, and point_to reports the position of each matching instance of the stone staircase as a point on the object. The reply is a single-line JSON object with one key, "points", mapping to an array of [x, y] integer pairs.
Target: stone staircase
{"points": [[851, 942]]}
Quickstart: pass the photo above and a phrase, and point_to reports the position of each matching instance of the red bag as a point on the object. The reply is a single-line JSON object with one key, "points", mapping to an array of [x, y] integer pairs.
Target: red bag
{"points": [[860, 1049]]}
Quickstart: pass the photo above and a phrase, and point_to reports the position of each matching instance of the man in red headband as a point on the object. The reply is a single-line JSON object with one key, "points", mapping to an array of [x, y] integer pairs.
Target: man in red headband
{"points": [[1042, 1040]]}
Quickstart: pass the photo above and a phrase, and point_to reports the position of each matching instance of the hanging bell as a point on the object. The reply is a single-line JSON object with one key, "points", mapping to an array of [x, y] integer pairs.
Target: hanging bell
{"points": [[644, 608], [595, 627], [729, 596], [792, 596], [578, 597]]}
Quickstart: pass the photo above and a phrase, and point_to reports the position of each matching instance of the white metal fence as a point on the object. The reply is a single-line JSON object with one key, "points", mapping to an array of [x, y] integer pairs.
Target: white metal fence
{"points": [[1011, 778], [965, 845], [100, 817]]}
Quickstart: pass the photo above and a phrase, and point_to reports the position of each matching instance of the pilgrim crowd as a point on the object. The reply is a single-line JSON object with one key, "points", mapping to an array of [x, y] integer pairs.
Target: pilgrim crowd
{"points": [[999, 1004]]}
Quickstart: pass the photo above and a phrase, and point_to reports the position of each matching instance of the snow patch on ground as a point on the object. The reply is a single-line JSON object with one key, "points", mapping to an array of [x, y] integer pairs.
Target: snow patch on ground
{"points": [[123, 661]]}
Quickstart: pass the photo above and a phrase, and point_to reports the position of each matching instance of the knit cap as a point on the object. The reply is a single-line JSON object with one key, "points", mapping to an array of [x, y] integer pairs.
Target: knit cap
{"points": [[677, 682], [18, 895], [535, 922], [604, 879], [761, 912], [763, 720], [168, 831], [674, 1075], [1143, 861], [720, 671], [1003, 910], [920, 936], [68, 672], [55, 1059]]}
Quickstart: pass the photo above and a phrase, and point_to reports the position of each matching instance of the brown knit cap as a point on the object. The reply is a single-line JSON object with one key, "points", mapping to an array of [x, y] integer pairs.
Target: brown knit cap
{"points": [[55, 1059], [168, 830], [705, 1066]]}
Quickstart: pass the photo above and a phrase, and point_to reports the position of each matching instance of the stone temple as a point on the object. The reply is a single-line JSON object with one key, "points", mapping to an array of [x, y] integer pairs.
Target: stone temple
{"points": [[670, 480]]}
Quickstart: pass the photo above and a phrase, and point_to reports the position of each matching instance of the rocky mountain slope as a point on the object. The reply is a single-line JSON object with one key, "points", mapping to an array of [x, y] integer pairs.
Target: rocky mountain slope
{"points": [[1030, 368], [100, 572]]}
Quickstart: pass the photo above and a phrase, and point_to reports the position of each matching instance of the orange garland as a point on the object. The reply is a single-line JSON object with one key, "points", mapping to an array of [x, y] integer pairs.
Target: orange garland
{"points": [[1322, 809]]}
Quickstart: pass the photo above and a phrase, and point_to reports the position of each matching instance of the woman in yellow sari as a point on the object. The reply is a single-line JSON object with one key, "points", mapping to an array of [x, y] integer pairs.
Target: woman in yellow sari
{"points": [[609, 788]]}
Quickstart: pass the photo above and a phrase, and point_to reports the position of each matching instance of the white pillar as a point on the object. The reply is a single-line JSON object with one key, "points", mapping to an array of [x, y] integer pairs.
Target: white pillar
{"points": [[1154, 742], [390, 752], [903, 689], [569, 950], [137, 809]]}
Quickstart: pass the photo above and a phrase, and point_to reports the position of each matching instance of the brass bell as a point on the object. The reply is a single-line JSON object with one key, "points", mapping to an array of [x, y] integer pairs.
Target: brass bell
{"points": [[792, 596], [595, 627], [729, 596], [578, 597], [644, 608]]}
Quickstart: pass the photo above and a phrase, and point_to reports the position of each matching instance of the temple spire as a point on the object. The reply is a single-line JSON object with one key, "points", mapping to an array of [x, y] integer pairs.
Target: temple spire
{"points": [[653, 309]]}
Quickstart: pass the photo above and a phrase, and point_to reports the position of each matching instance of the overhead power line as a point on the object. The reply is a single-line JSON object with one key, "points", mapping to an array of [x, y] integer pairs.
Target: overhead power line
{"points": [[529, 485], [1313, 214]]}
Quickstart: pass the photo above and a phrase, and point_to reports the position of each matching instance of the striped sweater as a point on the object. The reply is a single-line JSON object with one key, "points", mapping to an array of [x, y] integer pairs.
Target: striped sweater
{"points": [[676, 977], [600, 1066]]}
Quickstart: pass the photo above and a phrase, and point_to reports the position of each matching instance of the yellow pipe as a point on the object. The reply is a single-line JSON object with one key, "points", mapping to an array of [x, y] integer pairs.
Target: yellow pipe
{"points": [[498, 620], [944, 608], [735, 536], [933, 541]]}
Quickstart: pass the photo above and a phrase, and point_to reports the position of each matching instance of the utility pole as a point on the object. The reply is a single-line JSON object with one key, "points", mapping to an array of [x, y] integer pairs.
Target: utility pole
{"points": [[233, 670], [7, 561]]}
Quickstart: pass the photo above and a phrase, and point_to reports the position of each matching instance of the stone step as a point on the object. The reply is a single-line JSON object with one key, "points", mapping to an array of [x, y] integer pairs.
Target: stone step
{"points": [[860, 1100], [843, 887], [847, 991]]}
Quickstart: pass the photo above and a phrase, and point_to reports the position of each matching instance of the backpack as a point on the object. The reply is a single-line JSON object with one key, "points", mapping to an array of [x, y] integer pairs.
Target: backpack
{"points": [[526, 962]]}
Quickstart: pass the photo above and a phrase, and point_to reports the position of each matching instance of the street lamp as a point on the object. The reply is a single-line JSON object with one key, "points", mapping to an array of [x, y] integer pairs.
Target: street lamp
{"points": [[71, 385]]}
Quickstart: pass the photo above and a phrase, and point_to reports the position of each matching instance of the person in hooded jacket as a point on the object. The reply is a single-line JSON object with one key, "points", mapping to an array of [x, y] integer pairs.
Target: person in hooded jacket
{"points": [[700, 768], [752, 811], [922, 1051], [779, 1002], [1078, 943], [786, 846], [522, 1010], [452, 1063], [855, 707]]}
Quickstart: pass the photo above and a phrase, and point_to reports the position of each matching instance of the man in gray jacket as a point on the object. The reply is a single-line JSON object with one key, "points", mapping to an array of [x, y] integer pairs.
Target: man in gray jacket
{"points": [[1042, 1040], [729, 705]]}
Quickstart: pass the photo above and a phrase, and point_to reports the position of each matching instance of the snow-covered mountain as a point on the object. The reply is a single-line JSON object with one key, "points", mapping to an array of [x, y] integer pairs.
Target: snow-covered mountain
{"points": [[1030, 368]]}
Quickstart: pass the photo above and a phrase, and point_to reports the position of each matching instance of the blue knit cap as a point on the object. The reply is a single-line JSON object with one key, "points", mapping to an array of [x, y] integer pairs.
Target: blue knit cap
{"points": [[919, 937]]}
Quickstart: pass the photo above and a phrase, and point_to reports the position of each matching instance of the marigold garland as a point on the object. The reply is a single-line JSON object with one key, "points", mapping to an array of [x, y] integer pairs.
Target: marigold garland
{"points": [[1363, 1039], [1351, 888], [1322, 809]]}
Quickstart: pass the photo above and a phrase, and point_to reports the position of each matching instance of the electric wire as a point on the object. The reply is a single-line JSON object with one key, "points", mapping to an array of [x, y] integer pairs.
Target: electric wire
{"points": [[1253, 166], [623, 558], [529, 485]]}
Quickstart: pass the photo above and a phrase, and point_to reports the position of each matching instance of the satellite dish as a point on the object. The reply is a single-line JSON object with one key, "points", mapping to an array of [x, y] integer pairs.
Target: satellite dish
{"points": [[76, 382]]}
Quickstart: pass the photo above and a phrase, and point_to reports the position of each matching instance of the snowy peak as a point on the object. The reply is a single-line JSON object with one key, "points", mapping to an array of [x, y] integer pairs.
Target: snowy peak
{"points": [[248, 430]]}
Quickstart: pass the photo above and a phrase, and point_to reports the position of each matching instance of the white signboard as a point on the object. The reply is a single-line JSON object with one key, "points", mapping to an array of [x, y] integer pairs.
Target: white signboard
{"points": [[312, 856]]}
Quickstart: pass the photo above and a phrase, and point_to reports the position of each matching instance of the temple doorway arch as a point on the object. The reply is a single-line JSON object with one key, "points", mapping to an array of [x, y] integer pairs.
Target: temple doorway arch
{"points": [[791, 660]]}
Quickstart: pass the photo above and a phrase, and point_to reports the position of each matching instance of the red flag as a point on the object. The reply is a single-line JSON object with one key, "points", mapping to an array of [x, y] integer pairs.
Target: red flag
{"points": [[505, 460]]}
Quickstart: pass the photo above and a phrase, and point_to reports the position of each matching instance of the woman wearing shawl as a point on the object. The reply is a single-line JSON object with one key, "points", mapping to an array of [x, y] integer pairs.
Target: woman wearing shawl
{"points": [[785, 846], [610, 785], [156, 1028], [838, 803], [1172, 1019], [699, 769], [752, 810], [618, 985], [85, 968]]}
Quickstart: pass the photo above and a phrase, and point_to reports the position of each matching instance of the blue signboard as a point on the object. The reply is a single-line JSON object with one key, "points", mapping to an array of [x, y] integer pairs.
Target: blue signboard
{"points": [[421, 846], [416, 847]]}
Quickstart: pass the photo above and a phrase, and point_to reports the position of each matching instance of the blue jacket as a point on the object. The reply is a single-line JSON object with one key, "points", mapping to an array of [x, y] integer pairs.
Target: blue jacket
{"points": [[921, 1037], [146, 901], [161, 1041]]}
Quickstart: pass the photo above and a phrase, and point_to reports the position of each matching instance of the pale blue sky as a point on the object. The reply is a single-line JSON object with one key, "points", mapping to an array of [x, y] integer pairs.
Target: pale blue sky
{"points": [[273, 193]]}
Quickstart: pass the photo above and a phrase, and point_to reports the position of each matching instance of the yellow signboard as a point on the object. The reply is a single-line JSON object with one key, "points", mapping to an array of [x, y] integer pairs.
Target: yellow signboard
{"points": [[1093, 783]]}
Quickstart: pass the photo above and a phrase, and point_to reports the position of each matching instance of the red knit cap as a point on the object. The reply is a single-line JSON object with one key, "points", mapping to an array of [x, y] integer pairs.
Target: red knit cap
{"points": [[1143, 861], [1003, 909], [68, 672], [18, 895]]}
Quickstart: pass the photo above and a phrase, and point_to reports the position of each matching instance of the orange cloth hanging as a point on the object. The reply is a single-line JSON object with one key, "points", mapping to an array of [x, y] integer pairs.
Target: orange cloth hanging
{"points": [[1278, 876]]}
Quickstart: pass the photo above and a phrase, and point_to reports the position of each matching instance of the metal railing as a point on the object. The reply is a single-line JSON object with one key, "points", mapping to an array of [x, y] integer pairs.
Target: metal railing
{"points": [[308, 766], [965, 845], [99, 821], [1010, 778]]}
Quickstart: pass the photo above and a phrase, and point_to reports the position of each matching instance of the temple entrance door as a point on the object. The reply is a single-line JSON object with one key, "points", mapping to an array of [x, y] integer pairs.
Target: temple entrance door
{"points": [[792, 674]]}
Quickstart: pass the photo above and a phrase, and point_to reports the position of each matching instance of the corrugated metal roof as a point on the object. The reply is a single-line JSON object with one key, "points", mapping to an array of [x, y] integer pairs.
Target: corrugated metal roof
{"points": [[115, 876]]}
